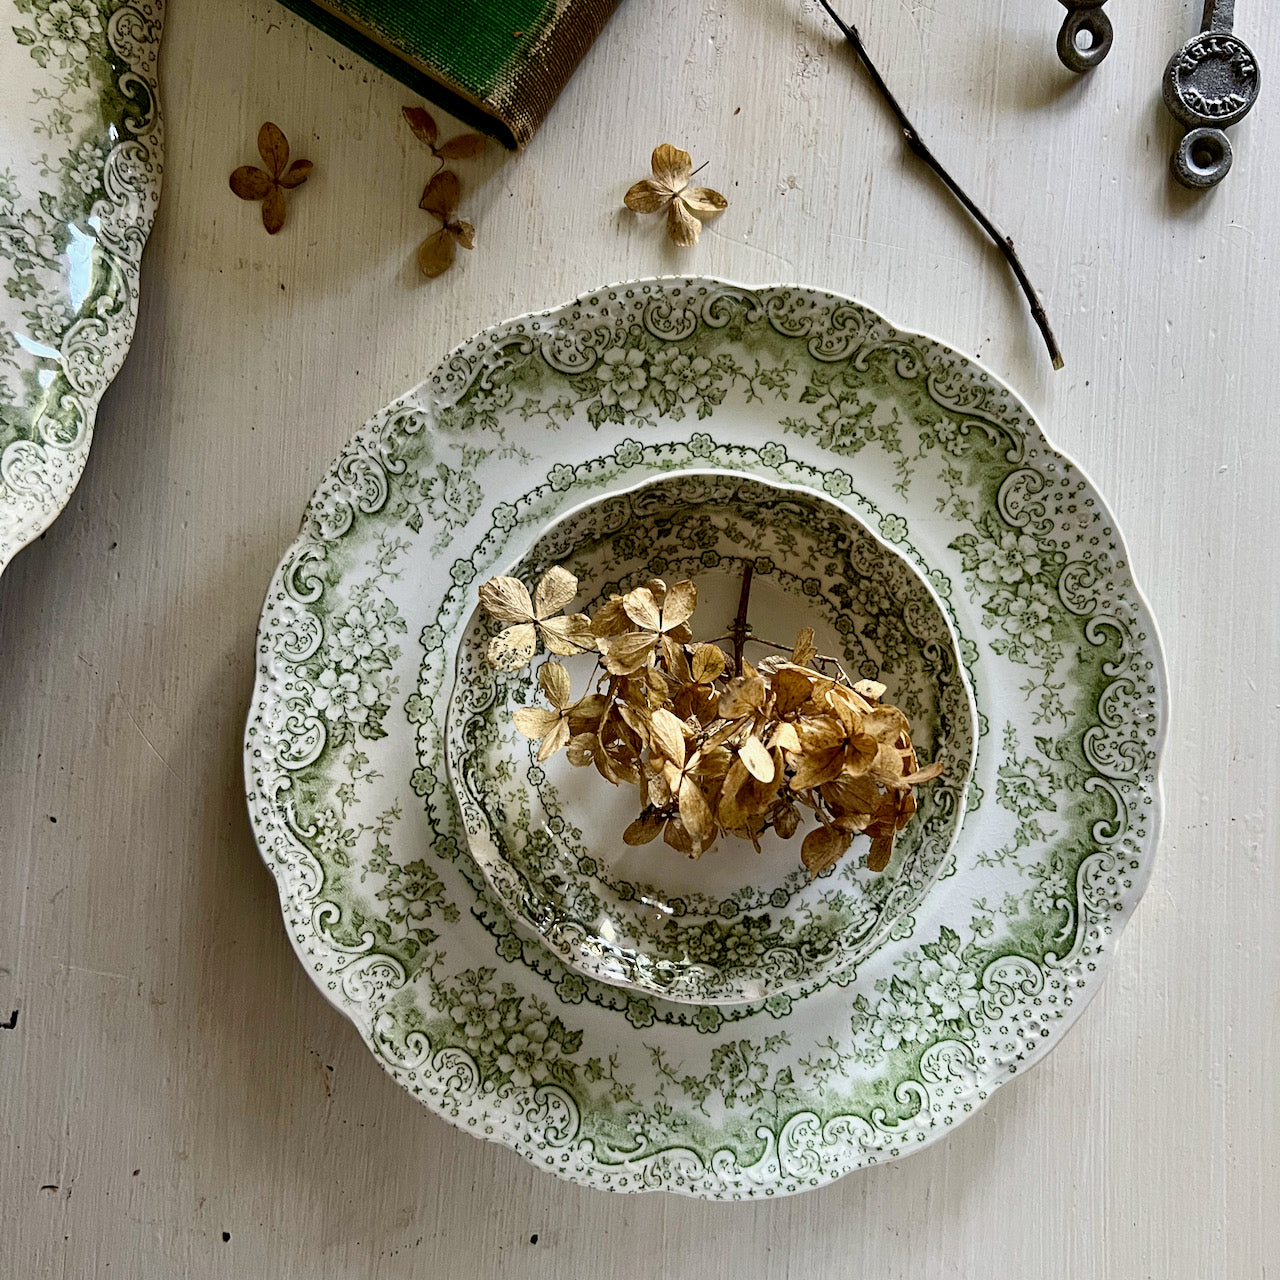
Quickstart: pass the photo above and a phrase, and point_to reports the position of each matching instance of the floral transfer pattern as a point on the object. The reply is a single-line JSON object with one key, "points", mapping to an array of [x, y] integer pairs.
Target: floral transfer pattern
{"points": [[79, 184], [624, 1091]]}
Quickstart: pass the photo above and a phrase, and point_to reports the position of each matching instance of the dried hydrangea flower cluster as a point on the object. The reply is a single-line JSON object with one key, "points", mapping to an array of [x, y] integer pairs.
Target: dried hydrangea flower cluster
{"points": [[716, 746]]}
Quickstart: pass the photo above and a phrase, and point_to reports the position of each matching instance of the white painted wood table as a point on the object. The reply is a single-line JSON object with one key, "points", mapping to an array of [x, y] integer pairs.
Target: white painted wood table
{"points": [[176, 1099]]}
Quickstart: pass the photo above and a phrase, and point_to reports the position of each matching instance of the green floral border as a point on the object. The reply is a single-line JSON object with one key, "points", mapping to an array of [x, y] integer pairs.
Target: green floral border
{"points": [[594, 1083]]}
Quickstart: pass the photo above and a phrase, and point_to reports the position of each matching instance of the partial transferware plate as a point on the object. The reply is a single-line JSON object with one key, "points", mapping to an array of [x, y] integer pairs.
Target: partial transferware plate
{"points": [[351, 803], [79, 184]]}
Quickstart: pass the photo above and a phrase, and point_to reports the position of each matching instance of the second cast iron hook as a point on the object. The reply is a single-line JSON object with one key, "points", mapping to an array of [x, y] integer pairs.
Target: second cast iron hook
{"points": [[1086, 35]]}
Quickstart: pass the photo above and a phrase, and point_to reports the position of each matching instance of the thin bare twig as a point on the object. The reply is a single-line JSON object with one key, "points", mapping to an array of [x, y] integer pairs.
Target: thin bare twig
{"points": [[741, 627], [913, 140]]}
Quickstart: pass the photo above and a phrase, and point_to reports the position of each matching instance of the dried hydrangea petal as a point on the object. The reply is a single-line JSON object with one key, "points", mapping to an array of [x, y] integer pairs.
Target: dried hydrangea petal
{"points": [[534, 722], [823, 847], [555, 589], [678, 607], [683, 228], [507, 599], [640, 606], [554, 681], [672, 168], [704, 200], [646, 196], [646, 828], [513, 648], [568, 635]]}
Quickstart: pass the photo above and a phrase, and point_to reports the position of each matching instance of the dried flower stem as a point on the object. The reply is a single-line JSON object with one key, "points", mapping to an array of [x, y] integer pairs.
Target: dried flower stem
{"points": [[917, 144], [741, 627]]}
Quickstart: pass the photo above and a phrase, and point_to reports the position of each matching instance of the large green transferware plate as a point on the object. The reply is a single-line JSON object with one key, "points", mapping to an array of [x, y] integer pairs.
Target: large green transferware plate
{"points": [[353, 811]]}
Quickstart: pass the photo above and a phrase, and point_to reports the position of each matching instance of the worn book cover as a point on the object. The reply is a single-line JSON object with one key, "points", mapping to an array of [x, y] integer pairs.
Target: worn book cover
{"points": [[497, 64]]}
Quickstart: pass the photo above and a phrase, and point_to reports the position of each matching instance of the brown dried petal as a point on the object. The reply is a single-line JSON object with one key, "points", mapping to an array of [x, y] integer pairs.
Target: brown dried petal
{"points": [[885, 724], [672, 658], [671, 167], [805, 650], [887, 766], [465, 146], [512, 649], [758, 761], [786, 820], [296, 174], [436, 254], [463, 232], [568, 635], [647, 827], [656, 790], [534, 722], [785, 738], [816, 767], [695, 813], [927, 774], [742, 696], [273, 210], [555, 589], [273, 149], [557, 738], [646, 196], [881, 852], [642, 609], [852, 822], [704, 200], [666, 736], [624, 655], [441, 194], [676, 662], [872, 690], [860, 754], [848, 794], [582, 748], [678, 607], [823, 847], [730, 810], [610, 619], [683, 228], [840, 695], [251, 183], [791, 688], [708, 663], [675, 835], [422, 123], [554, 681], [820, 734], [506, 599], [906, 808], [714, 763]]}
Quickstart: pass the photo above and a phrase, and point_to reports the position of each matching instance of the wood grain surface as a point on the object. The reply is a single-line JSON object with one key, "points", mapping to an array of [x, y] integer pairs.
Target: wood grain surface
{"points": [[175, 1097]]}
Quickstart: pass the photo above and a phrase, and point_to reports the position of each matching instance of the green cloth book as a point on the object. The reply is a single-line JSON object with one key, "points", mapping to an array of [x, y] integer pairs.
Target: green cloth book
{"points": [[497, 64]]}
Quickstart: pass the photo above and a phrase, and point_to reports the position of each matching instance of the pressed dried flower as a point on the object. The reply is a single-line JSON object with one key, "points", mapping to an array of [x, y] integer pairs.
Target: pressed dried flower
{"points": [[714, 749], [669, 190], [508, 600], [437, 252], [269, 184], [464, 147], [652, 616], [553, 727], [442, 193]]}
